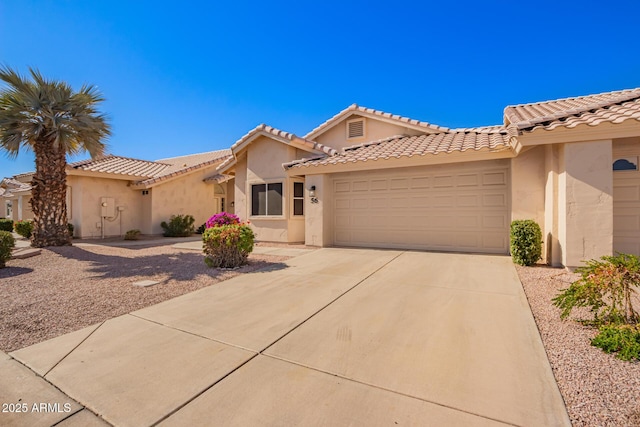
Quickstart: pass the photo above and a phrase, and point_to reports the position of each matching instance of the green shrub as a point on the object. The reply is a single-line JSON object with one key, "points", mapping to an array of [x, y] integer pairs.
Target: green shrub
{"points": [[70, 228], [526, 242], [7, 243], [132, 234], [227, 246], [24, 228], [607, 288], [6, 224], [178, 226], [621, 339]]}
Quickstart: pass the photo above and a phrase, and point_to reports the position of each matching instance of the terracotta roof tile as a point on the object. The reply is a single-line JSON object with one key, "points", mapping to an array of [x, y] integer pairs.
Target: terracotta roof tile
{"points": [[263, 128], [410, 146], [149, 172], [121, 166], [354, 109], [612, 107]]}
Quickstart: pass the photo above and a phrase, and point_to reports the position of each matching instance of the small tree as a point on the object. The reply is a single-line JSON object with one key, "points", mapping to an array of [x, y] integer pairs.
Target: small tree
{"points": [[51, 119]]}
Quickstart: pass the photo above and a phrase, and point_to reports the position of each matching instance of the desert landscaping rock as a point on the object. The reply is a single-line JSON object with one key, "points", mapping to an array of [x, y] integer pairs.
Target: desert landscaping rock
{"points": [[598, 389]]}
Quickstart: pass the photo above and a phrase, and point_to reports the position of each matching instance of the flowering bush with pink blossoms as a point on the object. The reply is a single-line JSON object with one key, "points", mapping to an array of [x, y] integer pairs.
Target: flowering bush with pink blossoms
{"points": [[222, 218]]}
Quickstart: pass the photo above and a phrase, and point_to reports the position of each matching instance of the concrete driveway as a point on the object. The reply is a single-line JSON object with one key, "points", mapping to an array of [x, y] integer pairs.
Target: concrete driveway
{"points": [[339, 337]]}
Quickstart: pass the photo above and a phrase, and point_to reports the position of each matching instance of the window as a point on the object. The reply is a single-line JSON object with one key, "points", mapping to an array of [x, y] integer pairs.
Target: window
{"points": [[626, 164], [266, 199], [298, 198], [222, 204], [145, 192]]}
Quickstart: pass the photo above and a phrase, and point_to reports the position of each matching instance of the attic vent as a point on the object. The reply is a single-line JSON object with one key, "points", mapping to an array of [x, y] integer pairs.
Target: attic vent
{"points": [[355, 128]]}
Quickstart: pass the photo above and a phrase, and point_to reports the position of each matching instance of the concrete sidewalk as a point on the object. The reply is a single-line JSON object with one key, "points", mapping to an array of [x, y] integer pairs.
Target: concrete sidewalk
{"points": [[339, 337]]}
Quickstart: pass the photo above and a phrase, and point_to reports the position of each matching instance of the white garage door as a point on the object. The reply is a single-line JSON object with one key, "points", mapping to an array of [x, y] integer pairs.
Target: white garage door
{"points": [[462, 207], [626, 211]]}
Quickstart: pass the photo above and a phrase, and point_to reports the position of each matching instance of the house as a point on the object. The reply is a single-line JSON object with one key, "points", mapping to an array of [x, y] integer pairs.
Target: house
{"points": [[109, 195], [367, 178], [15, 194]]}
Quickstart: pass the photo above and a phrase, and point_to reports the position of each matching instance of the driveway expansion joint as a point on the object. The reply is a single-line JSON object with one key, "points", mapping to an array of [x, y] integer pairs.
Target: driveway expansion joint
{"points": [[333, 374]]}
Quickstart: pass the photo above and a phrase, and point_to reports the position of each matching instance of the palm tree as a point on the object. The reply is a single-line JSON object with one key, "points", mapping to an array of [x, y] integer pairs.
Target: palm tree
{"points": [[48, 117]]}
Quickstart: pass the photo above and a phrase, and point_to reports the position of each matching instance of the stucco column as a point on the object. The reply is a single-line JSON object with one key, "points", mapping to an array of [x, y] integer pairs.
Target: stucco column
{"points": [[317, 221], [19, 208], [586, 202]]}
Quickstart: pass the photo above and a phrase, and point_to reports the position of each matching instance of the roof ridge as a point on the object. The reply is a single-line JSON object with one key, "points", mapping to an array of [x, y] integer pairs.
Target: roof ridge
{"points": [[355, 107], [194, 154], [570, 98]]}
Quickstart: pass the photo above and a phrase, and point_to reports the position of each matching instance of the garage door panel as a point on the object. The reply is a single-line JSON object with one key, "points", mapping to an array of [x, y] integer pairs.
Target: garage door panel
{"points": [[629, 222], [494, 178], [495, 200], [420, 182], [626, 212], [451, 208], [379, 185], [342, 187], [468, 180], [626, 193]]}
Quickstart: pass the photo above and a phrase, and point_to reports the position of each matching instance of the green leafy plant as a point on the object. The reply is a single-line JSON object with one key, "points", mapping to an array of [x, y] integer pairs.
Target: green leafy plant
{"points": [[6, 224], [70, 228], [132, 234], [178, 226], [227, 246], [624, 340], [7, 243], [526, 242], [24, 228], [606, 287]]}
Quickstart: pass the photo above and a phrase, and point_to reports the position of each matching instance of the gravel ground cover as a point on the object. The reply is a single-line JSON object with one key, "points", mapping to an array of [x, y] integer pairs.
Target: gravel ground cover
{"points": [[598, 389], [65, 289]]}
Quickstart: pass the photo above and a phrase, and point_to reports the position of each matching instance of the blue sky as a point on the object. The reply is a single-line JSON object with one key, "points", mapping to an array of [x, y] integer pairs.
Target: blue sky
{"points": [[187, 77]]}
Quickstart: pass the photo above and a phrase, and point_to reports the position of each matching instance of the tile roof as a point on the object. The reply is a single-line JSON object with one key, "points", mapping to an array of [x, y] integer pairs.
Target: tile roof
{"points": [[409, 146], [151, 172], [612, 107], [121, 166], [8, 186], [264, 129], [183, 164], [218, 178], [354, 109]]}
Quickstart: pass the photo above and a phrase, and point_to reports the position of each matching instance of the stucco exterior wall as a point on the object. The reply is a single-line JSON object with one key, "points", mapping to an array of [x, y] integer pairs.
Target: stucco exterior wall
{"points": [[262, 164], [336, 137], [552, 251], [188, 195], [318, 222], [528, 185], [587, 231], [86, 211]]}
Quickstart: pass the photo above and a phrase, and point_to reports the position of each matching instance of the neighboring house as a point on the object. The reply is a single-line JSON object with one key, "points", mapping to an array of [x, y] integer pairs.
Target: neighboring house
{"points": [[116, 194], [366, 178], [15, 194]]}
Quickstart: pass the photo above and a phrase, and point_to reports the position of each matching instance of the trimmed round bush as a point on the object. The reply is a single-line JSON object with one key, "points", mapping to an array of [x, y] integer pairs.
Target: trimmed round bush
{"points": [[6, 224], [526, 242], [227, 246], [7, 243], [24, 228]]}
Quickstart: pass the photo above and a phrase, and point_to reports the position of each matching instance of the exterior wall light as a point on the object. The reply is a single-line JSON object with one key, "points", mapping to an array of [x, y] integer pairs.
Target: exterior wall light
{"points": [[312, 194]]}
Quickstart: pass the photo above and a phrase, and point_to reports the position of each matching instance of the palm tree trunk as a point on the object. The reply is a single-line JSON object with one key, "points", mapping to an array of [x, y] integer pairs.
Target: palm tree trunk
{"points": [[49, 196]]}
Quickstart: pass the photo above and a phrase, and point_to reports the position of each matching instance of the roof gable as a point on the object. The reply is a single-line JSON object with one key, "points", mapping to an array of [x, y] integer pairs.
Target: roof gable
{"points": [[355, 109]]}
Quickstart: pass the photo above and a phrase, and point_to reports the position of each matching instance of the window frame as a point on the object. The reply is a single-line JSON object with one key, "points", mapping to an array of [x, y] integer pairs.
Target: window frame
{"points": [[294, 198], [266, 183]]}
